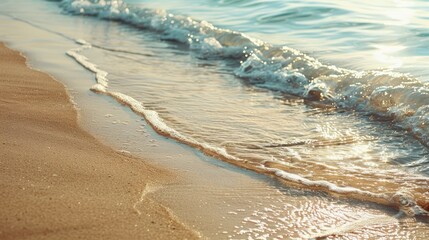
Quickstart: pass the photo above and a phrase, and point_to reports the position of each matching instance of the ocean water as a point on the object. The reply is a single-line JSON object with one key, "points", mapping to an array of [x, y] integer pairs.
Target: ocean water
{"points": [[330, 96]]}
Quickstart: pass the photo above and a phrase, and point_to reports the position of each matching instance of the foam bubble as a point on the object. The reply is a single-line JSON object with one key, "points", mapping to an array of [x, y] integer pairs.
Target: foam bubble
{"points": [[280, 68], [398, 96], [151, 116]]}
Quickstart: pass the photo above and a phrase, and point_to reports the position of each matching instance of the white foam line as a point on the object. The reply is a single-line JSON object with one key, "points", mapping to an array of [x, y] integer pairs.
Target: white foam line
{"points": [[280, 68], [402, 199], [162, 128], [324, 184], [151, 116], [100, 75]]}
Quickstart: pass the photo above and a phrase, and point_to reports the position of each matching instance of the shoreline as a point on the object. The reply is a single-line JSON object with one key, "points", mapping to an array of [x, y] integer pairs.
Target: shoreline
{"points": [[214, 198], [58, 181]]}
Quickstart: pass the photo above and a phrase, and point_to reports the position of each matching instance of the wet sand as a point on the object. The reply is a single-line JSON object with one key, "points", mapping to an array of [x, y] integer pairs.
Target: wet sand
{"points": [[59, 182], [46, 195]]}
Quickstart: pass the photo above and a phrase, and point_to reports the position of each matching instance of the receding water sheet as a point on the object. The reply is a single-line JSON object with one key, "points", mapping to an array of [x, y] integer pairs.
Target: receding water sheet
{"points": [[326, 97]]}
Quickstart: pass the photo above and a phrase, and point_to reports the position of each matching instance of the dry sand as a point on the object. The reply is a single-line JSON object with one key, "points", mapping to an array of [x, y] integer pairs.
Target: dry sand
{"points": [[59, 182]]}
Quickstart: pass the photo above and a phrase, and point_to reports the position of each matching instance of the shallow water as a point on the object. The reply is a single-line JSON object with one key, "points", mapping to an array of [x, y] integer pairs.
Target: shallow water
{"points": [[387, 34], [246, 97]]}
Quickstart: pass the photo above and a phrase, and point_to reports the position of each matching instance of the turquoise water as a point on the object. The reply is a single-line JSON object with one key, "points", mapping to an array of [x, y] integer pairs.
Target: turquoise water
{"points": [[331, 96], [386, 34]]}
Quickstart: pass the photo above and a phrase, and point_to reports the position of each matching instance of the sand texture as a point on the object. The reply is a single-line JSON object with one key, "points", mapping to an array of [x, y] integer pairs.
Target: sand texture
{"points": [[57, 181]]}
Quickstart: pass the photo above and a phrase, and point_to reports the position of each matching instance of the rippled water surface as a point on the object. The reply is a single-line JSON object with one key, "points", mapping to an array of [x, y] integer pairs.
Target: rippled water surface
{"points": [[244, 96], [386, 34], [324, 95]]}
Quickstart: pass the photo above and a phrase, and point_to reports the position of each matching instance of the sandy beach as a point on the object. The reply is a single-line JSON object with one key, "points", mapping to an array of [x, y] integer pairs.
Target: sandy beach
{"points": [[59, 182], [133, 119]]}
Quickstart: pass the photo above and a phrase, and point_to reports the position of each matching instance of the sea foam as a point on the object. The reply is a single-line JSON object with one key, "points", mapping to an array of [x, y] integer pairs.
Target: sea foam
{"points": [[400, 97], [397, 96]]}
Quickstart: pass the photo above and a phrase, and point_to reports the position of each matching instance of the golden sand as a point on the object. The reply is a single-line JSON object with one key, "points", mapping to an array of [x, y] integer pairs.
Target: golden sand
{"points": [[59, 182]]}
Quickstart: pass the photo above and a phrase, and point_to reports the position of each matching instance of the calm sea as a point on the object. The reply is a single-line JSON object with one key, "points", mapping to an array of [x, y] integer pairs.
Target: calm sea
{"points": [[324, 95]]}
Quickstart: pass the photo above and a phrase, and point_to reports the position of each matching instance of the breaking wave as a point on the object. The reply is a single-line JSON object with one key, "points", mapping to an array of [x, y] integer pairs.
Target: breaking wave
{"points": [[399, 97]]}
